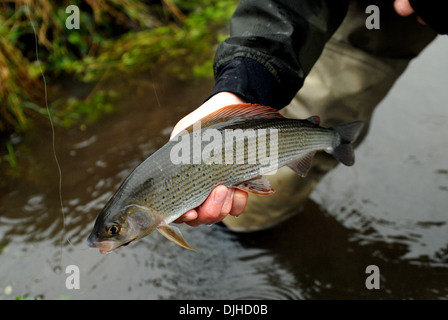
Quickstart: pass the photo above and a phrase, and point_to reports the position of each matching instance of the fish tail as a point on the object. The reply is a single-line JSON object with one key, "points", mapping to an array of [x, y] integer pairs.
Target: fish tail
{"points": [[348, 133]]}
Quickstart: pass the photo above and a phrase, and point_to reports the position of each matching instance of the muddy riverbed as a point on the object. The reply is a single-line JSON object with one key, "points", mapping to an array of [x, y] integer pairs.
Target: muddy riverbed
{"points": [[389, 210]]}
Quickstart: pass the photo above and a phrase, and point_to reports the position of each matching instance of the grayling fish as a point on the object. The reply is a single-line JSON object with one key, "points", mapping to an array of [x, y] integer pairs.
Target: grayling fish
{"points": [[233, 146]]}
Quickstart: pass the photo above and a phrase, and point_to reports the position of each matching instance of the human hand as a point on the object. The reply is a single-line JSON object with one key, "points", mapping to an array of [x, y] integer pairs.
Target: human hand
{"points": [[218, 101], [222, 201]]}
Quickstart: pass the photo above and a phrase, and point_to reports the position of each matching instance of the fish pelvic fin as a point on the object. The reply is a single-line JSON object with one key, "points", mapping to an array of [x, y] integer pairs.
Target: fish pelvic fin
{"points": [[314, 120], [173, 234], [348, 134], [259, 185]]}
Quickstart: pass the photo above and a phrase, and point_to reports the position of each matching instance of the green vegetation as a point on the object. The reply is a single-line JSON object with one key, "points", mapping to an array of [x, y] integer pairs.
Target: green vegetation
{"points": [[11, 157], [28, 297], [116, 37]]}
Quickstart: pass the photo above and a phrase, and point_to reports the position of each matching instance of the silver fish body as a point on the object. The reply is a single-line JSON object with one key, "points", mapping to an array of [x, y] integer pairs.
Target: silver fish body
{"points": [[161, 189]]}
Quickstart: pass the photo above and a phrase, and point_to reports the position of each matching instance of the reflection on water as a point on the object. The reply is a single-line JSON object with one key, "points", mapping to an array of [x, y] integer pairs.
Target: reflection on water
{"points": [[389, 210]]}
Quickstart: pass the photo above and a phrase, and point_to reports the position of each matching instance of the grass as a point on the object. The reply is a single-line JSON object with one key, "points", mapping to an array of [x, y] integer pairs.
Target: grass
{"points": [[116, 37], [11, 157]]}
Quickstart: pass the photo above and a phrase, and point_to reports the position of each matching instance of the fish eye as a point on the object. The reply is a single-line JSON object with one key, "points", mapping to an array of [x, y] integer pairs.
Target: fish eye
{"points": [[113, 229]]}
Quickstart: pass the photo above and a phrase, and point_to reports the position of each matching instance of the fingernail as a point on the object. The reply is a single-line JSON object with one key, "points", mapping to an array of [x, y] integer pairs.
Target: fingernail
{"points": [[219, 197], [230, 194]]}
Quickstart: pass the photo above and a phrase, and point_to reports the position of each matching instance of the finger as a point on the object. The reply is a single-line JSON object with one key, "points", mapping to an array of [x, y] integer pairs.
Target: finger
{"points": [[210, 211], [403, 7], [193, 223], [227, 205], [239, 202], [187, 216]]}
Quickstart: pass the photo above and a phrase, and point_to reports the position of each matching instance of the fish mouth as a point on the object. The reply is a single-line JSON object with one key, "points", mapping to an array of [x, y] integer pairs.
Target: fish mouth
{"points": [[107, 246], [104, 246]]}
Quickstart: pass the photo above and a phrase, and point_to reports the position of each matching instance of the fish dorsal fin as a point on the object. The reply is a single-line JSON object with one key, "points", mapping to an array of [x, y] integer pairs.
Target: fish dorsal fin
{"points": [[236, 113], [173, 234], [302, 165], [259, 185]]}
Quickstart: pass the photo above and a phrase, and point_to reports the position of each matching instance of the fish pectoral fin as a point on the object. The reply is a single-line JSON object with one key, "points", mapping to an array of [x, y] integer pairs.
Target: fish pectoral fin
{"points": [[259, 185], [302, 165], [314, 119], [173, 234]]}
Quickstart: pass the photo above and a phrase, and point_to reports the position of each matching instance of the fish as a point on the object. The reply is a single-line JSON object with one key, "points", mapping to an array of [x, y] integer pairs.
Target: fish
{"points": [[181, 174]]}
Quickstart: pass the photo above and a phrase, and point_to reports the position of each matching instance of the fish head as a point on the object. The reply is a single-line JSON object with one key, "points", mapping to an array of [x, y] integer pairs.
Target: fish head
{"points": [[118, 226]]}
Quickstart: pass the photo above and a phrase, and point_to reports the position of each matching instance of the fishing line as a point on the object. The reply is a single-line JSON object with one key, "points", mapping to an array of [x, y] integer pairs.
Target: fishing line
{"points": [[154, 88], [155, 93], [27, 10]]}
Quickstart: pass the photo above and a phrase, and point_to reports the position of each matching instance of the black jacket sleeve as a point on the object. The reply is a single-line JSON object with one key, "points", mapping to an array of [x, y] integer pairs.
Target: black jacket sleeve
{"points": [[272, 46], [432, 12]]}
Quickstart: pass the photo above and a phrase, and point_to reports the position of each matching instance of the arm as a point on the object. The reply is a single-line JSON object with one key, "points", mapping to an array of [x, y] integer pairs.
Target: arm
{"points": [[273, 46]]}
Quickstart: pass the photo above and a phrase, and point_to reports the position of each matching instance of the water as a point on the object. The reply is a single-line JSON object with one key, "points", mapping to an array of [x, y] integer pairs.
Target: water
{"points": [[389, 210]]}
